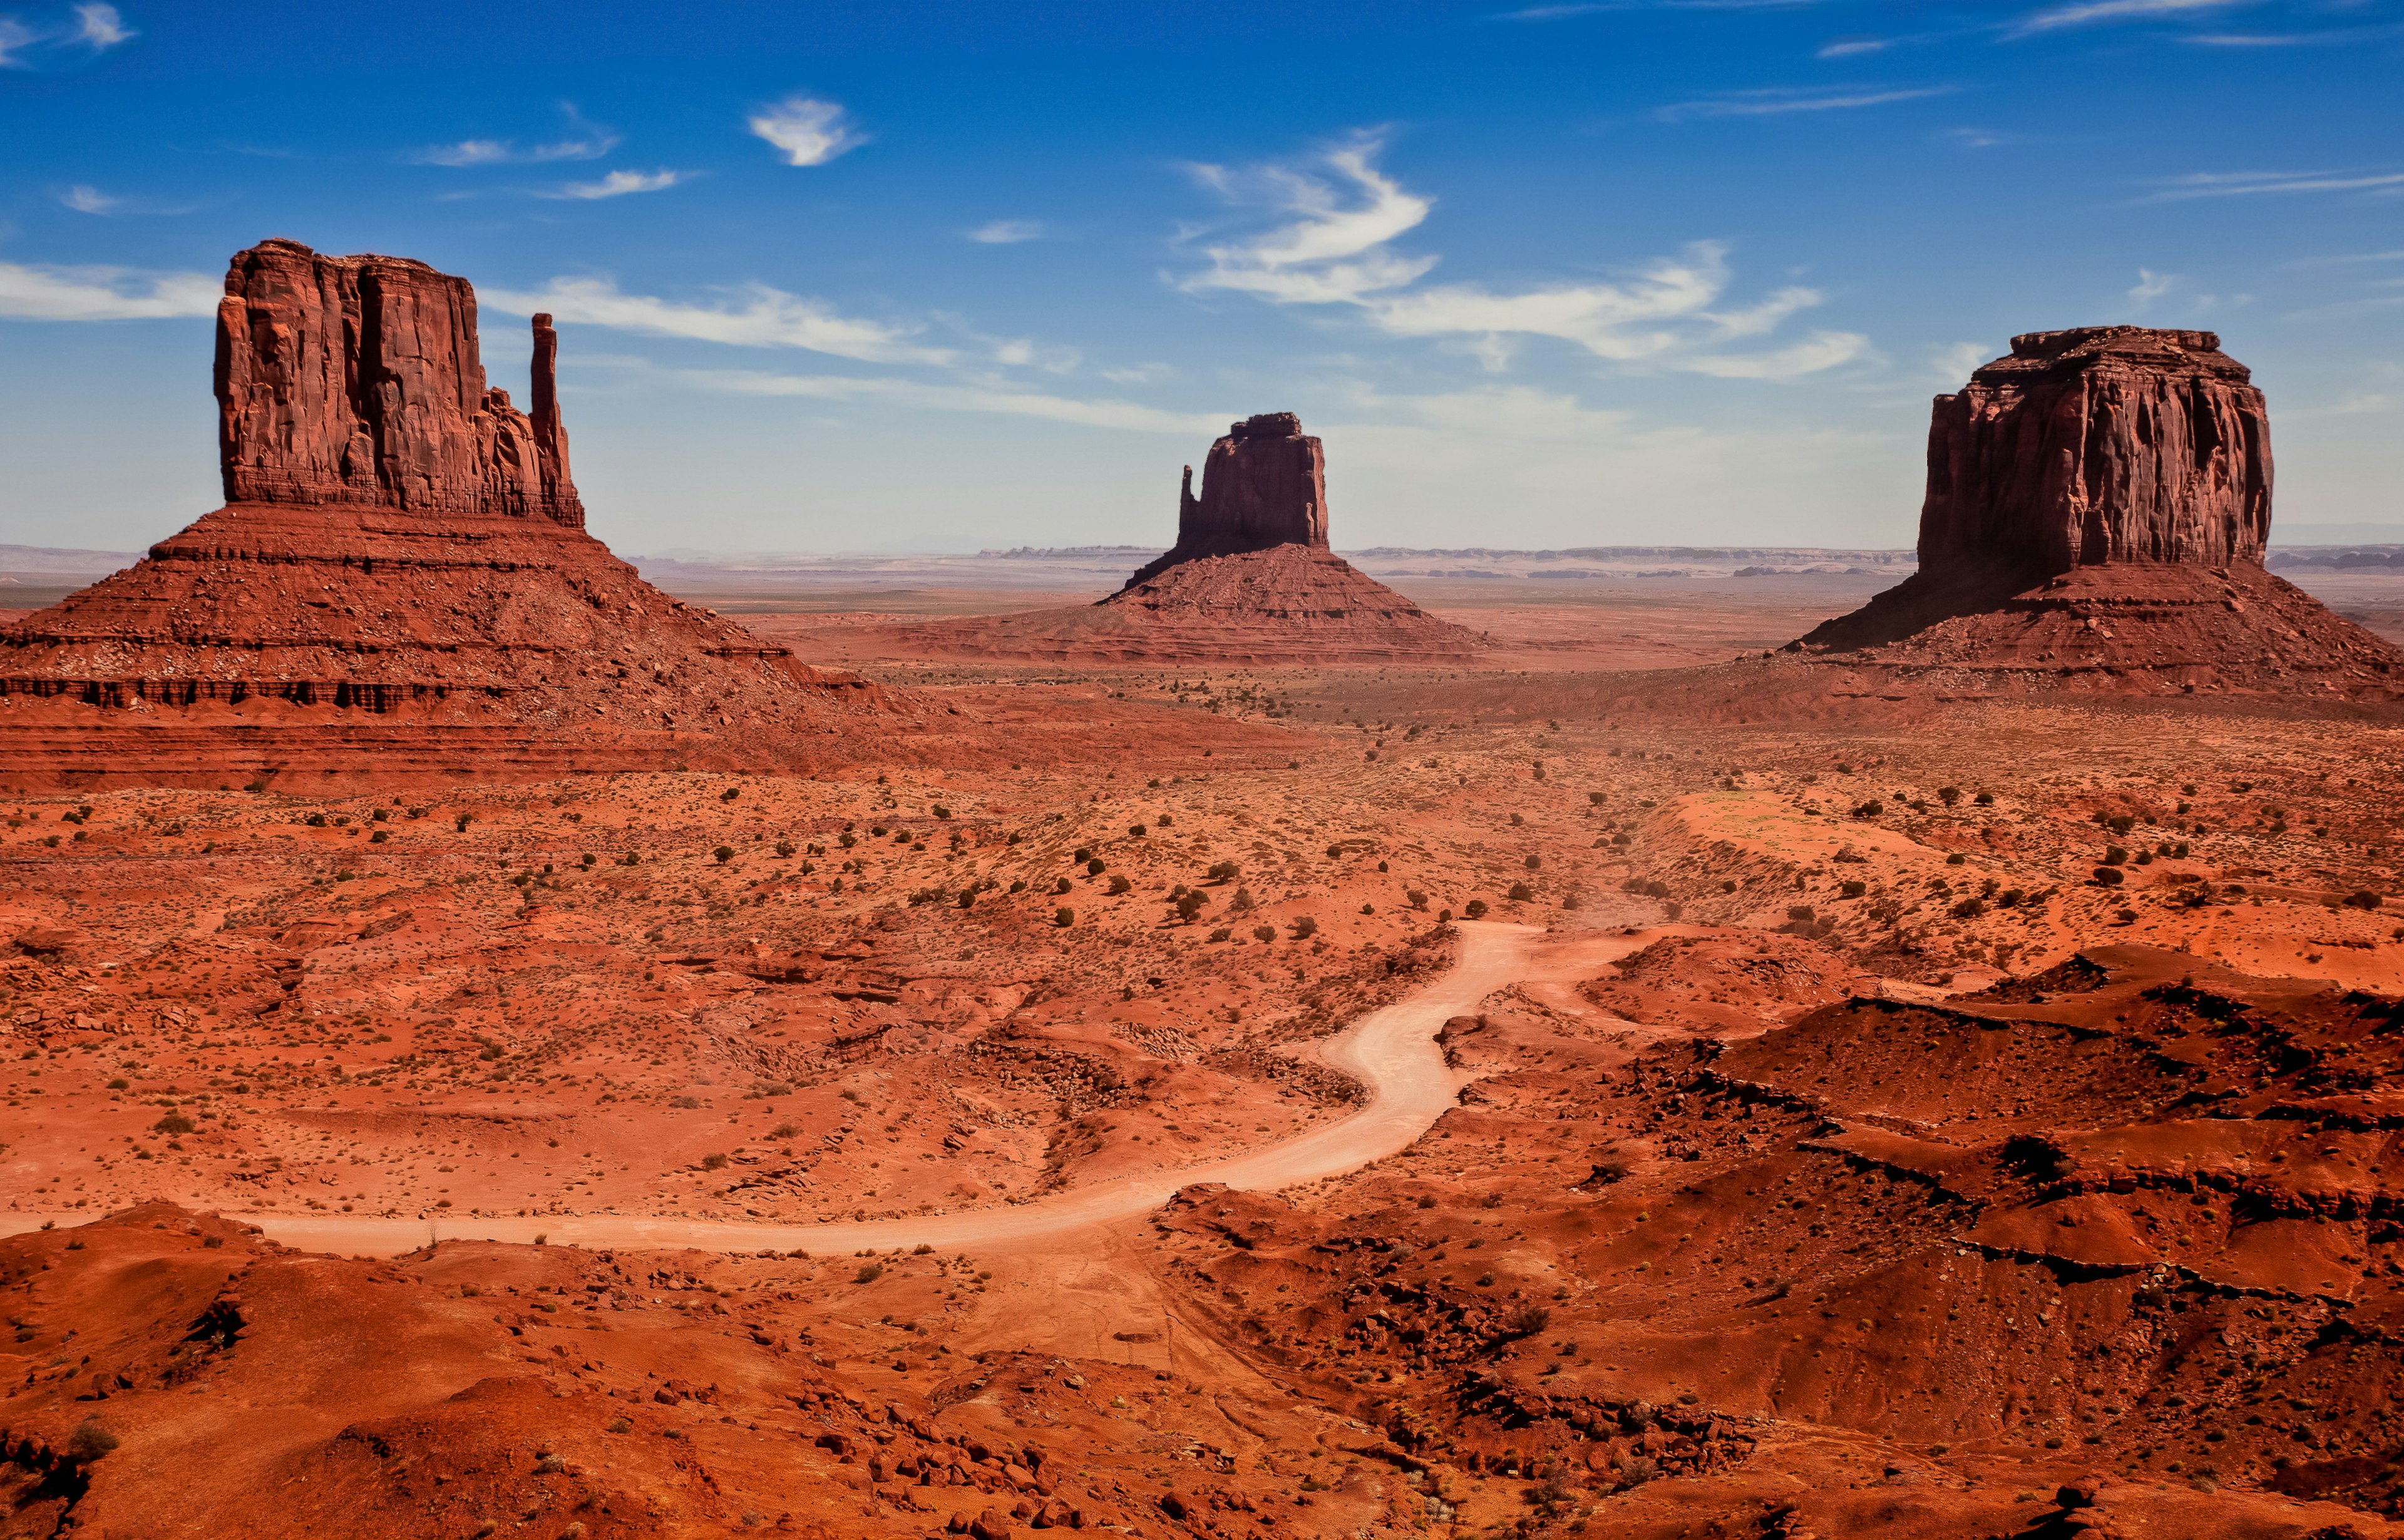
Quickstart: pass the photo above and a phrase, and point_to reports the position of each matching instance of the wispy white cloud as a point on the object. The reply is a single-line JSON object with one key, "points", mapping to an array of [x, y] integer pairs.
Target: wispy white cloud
{"points": [[1589, 8], [89, 200], [585, 142], [99, 27], [1853, 48], [1953, 363], [618, 184], [1006, 232], [809, 132], [1779, 101], [759, 316], [29, 293], [2240, 184], [15, 38], [1128, 416], [2087, 13], [1138, 374], [1975, 138], [2150, 286], [1338, 252]]}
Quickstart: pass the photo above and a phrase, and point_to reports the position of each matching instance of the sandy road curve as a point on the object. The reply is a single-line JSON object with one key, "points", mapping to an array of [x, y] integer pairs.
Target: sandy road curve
{"points": [[1392, 1051]]}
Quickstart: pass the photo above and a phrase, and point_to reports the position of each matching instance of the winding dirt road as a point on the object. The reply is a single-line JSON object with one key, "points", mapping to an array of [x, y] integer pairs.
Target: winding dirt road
{"points": [[1391, 1051]]}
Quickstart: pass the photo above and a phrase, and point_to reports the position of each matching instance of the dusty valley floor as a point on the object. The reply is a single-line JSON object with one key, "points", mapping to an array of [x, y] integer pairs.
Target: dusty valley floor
{"points": [[1253, 1101]]}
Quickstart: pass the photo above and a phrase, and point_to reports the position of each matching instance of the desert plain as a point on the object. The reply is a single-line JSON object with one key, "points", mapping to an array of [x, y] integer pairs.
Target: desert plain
{"points": [[1816, 1146]]}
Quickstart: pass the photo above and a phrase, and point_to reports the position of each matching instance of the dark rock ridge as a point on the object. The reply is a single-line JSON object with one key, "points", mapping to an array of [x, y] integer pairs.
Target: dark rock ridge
{"points": [[1265, 484], [2099, 445], [357, 379]]}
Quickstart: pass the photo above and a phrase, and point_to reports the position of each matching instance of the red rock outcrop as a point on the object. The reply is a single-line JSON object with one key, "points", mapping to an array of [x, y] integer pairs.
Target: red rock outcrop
{"points": [[1249, 580], [357, 379], [399, 585], [1264, 485], [2098, 504], [2099, 445]]}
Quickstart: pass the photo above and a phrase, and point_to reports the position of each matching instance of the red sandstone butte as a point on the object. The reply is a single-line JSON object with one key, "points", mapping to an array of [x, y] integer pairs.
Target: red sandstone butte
{"points": [[1249, 580], [2116, 444], [357, 379], [399, 585], [2098, 504]]}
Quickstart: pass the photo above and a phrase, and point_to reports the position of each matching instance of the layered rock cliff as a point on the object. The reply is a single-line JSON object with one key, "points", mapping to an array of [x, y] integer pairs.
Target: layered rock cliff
{"points": [[2094, 445], [2098, 503], [398, 586], [358, 380], [1265, 484]]}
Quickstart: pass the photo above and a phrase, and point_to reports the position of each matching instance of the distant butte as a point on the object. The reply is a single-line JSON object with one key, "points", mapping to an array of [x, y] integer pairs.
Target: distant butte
{"points": [[2097, 509], [1249, 580], [398, 586]]}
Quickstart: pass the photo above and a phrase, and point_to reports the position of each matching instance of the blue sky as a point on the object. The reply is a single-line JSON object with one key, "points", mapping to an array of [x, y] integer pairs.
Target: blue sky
{"points": [[943, 278]]}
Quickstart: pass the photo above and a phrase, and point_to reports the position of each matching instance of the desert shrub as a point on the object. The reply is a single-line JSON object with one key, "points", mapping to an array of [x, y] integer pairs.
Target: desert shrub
{"points": [[90, 1441], [1416, 899], [1334, 851], [1189, 905], [1096, 867], [867, 1274], [1064, 917], [1225, 871], [730, 794], [314, 820], [725, 854], [173, 1123], [1242, 901], [2108, 876], [1970, 908], [941, 811], [1536, 863], [1119, 883], [1520, 892], [783, 1131], [1596, 798], [1222, 933], [1949, 795], [1265, 932], [1474, 909], [1854, 888], [2364, 899], [1138, 830], [1061, 885], [2115, 856], [784, 848], [1869, 809], [713, 1163], [1957, 858], [688, 1103], [1801, 911], [967, 899], [120, 1084], [1304, 926], [1527, 1320]]}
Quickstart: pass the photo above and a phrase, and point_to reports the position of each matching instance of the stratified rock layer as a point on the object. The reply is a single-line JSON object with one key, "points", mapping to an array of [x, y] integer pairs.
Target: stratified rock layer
{"points": [[2098, 505], [400, 586]]}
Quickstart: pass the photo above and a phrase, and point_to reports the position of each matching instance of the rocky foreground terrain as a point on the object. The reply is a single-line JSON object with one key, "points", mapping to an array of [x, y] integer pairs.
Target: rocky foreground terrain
{"points": [[1882, 1134]]}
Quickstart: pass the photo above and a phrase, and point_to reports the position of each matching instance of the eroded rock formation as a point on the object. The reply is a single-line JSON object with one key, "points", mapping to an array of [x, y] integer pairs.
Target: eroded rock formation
{"points": [[399, 585], [357, 379], [2098, 504], [2099, 445], [1265, 484]]}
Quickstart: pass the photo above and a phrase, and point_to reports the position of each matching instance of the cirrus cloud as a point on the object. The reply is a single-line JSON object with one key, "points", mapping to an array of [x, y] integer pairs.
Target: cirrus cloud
{"points": [[757, 316], [37, 293], [618, 184], [807, 130], [1338, 251]]}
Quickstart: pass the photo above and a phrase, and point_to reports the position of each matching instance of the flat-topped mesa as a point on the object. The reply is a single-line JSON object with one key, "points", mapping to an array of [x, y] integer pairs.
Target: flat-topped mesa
{"points": [[1265, 484], [2096, 445], [358, 380]]}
